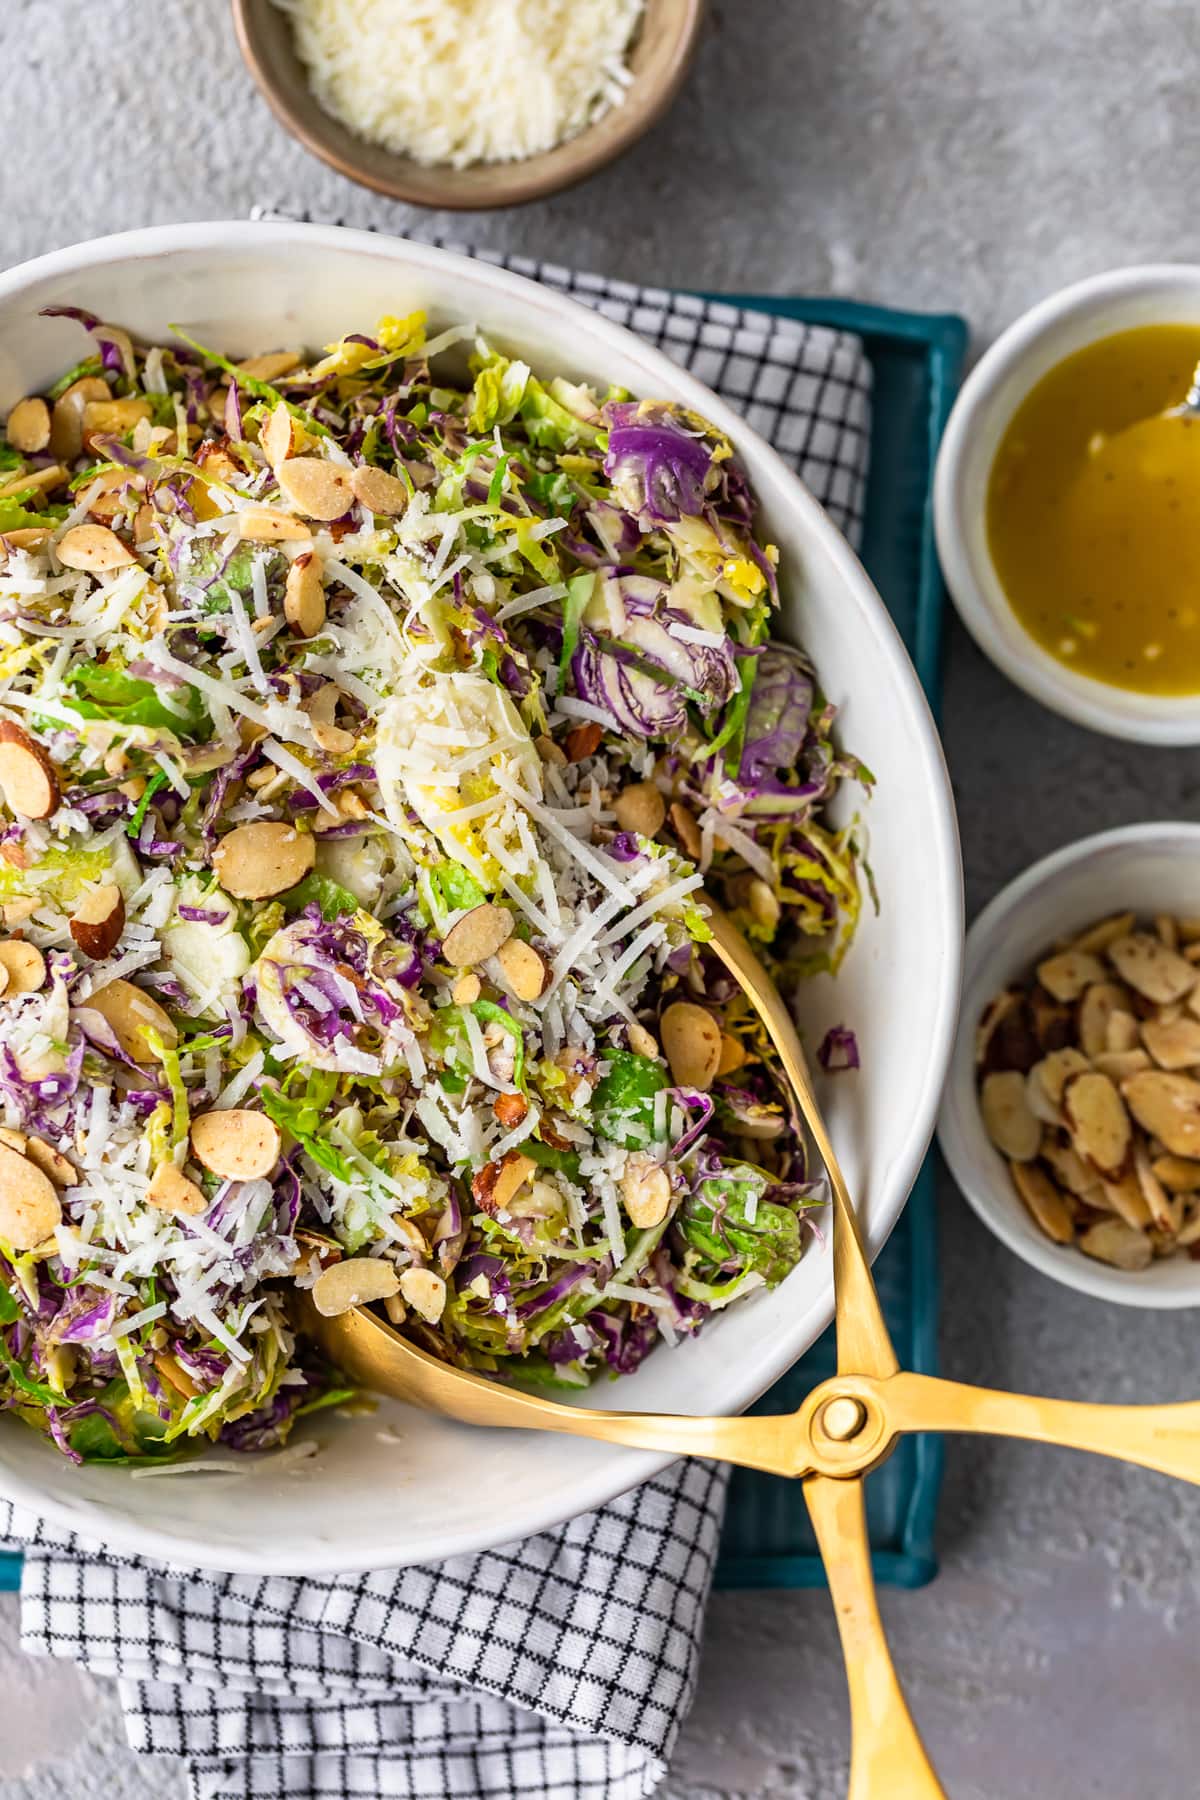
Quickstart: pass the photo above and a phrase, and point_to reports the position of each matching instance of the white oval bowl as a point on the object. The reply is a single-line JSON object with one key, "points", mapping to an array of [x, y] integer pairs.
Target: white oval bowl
{"points": [[367, 1500], [1147, 868], [1162, 294]]}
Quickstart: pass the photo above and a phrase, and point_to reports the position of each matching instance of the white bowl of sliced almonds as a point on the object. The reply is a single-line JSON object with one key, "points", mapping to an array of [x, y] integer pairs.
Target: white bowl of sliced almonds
{"points": [[1071, 1119]]}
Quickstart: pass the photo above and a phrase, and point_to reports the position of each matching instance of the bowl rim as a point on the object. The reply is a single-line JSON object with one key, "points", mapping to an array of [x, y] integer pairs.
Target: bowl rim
{"points": [[977, 594], [911, 711], [526, 179], [960, 1134]]}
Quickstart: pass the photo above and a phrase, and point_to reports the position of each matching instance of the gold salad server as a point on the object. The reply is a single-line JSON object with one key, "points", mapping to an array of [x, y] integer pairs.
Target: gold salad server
{"points": [[846, 1427]]}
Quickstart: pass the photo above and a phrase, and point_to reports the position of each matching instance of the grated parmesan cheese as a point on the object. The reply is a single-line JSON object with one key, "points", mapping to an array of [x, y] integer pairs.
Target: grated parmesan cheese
{"points": [[466, 81]]}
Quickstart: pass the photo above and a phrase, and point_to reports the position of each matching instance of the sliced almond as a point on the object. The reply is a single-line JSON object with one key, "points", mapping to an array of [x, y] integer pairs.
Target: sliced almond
{"points": [[1098, 937], [27, 537], [1165, 1211], [41, 480], [641, 1041], [30, 1209], [272, 365], [640, 808], [582, 741], [764, 906], [691, 1040], [1037, 1097], [378, 491], [733, 1055], [1178, 1174], [355, 1281], [1150, 969], [235, 1143], [28, 427], [334, 740], [1066, 975], [266, 525], [98, 920], [550, 752], [1045, 1205], [1122, 1031], [112, 418], [1167, 929], [28, 778], [304, 595], [525, 970], [1112, 1241], [425, 1292], [497, 1183], [278, 436], [686, 830], [66, 420], [1168, 1107], [23, 964], [315, 488], [1174, 1044], [510, 1110], [52, 1162], [94, 548], [1054, 1071], [170, 1190], [395, 1309], [1098, 1122], [1069, 1169], [256, 861], [477, 935], [1097, 1005], [1119, 1064], [1125, 1198], [466, 989], [134, 1018], [646, 1191]]}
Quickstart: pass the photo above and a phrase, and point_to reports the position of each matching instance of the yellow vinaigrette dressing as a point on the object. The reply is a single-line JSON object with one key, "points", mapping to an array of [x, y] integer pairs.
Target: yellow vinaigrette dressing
{"points": [[1093, 512]]}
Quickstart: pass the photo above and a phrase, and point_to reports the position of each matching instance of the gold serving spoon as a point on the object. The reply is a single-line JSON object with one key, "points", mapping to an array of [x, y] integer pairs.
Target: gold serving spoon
{"points": [[846, 1427]]}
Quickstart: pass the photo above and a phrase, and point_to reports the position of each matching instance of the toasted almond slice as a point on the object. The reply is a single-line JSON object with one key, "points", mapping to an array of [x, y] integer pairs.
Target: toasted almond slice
{"points": [[1098, 937], [1165, 1212], [1122, 1032], [1098, 1123], [1167, 929], [733, 1054], [1118, 1064], [1066, 975], [28, 779], [378, 491], [30, 1209], [270, 366], [14, 1139], [1168, 1107], [466, 989], [267, 525], [686, 830], [52, 1162], [640, 808], [23, 964], [170, 1190], [315, 488], [1046, 1206], [510, 1110], [98, 920], [27, 537], [235, 1143], [259, 860], [1004, 1107], [66, 420], [1178, 1174], [425, 1292], [477, 935], [1150, 969], [1097, 1005], [1069, 1169], [1174, 1044], [1037, 1097], [1189, 1231], [93, 548], [1125, 1198], [525, 970], [277, 436], [643, 1042], [1055, 1070], [691, 1040], [646, 1191], [133, 1018], [334, 740], [764, 907], [304, 596], [28, 427], [112, 418], [355, 1281], [496, 1184], [1112, 1241], [43, 480], [550, 752]]}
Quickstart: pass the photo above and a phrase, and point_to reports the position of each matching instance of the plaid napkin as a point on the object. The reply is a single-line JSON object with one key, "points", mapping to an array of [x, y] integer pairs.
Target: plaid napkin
{"points": [[556, 1669]]}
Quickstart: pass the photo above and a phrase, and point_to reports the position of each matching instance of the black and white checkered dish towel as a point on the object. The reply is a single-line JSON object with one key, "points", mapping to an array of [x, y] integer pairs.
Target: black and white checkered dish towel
{"points": [[556, 1669]]}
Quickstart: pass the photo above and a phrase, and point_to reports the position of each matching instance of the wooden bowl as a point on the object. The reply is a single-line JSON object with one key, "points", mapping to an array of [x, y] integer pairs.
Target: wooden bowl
{"points": [[659, 59]]}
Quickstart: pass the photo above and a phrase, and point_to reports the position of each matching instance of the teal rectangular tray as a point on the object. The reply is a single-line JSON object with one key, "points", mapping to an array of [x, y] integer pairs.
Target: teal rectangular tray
{"points": [[916, 359]]}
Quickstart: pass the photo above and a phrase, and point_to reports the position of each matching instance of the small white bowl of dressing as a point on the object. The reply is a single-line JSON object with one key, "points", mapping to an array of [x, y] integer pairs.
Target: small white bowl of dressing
{"points": [[1065, 510]]}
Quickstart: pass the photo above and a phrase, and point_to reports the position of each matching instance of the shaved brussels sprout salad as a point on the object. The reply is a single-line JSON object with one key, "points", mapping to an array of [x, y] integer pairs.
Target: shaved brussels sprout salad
{"points": [[368, 727]]}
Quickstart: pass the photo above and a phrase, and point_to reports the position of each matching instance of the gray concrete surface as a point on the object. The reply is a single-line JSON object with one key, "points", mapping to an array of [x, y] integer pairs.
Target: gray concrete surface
{"points": [[970, 154]]}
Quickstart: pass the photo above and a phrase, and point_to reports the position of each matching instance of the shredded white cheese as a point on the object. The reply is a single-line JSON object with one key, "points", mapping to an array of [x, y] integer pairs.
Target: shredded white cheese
{"points": [[466, 81]]}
